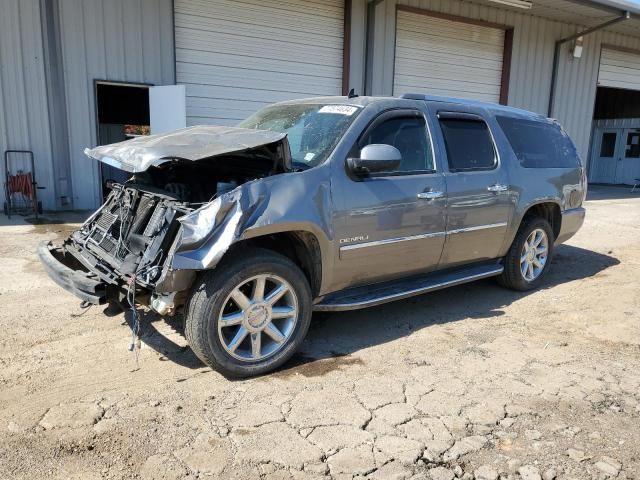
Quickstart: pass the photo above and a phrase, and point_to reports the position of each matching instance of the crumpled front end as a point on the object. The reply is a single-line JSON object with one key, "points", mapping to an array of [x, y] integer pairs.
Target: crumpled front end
{"points": [[123, 246], [187, 191]]}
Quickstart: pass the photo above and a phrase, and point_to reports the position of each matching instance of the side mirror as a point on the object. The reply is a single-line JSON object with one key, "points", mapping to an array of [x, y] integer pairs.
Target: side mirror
{"points": [[375, 158]]}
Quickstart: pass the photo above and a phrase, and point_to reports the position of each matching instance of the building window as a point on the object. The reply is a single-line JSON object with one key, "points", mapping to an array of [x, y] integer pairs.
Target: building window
{"points": [[608, 145], [633, 145]]}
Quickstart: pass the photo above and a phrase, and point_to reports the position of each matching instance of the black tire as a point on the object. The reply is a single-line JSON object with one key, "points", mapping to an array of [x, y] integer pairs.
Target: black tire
{"points": [[512, 276], [209, 297]]}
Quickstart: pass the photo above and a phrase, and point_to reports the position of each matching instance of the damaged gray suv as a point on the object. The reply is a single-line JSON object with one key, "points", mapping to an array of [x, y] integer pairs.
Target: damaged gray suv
{"points": [[323, 204]]}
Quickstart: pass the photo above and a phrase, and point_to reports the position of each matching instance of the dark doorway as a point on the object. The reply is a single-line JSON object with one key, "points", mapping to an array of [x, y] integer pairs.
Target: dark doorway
{"points": [[616, 103], [122, 113], [615, 143]]}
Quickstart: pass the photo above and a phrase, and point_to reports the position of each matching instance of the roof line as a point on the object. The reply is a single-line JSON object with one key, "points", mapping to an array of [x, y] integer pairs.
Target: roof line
{"points": [[612, 6]]}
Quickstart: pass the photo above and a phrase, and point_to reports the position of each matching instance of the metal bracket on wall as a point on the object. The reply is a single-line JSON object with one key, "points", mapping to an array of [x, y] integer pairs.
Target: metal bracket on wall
{"points": [[559, 43]]}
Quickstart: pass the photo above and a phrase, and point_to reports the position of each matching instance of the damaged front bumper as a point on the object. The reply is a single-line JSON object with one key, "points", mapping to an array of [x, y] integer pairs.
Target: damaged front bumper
{"points": [[65, 270], [158, 251], [127, 244]]}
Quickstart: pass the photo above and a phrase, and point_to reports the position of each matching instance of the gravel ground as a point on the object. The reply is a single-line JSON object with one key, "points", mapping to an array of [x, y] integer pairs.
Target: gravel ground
{"points": [[471, 382]]}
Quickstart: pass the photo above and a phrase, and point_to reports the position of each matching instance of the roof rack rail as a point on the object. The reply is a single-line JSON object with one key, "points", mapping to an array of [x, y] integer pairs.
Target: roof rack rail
{"points": [[466, 101], [435, 98], [413, 96]]}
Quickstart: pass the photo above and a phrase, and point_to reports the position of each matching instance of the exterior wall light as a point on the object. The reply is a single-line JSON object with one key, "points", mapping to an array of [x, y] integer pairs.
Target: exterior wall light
{"points": [[577, 48]]}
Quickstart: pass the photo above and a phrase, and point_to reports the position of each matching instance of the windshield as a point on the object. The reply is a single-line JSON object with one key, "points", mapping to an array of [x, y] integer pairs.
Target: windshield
{"points": [[313, 130]]}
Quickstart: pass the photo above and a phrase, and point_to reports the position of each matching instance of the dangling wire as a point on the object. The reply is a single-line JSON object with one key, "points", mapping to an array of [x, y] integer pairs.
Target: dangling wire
{"points": [[85, 306], [135, 344]]}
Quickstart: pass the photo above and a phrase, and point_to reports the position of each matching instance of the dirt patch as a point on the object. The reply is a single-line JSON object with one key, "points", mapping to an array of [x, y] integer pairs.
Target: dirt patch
{"points": [[473, 381], [311, 367]]}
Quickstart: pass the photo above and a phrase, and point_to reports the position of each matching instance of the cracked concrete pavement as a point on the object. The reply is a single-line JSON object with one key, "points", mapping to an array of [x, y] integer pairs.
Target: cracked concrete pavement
{"points": [[474, 382]]}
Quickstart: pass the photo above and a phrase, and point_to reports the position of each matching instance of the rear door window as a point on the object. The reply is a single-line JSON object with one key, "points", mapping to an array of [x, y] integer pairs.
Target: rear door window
{"points": [[468, 142], [539, 144]]}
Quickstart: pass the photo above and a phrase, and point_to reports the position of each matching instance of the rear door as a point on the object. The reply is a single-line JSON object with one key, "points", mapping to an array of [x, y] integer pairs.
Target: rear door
{"points": [[478, 190]]}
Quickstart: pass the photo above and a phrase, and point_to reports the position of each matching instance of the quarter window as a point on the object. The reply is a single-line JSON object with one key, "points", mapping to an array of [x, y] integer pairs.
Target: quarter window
{"points": [[540, 144], [409, 135], [469, 144]]}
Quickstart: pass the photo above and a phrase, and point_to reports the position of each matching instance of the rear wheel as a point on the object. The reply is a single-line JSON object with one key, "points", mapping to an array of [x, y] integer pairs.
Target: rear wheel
{"points": [[529, 257], [250, 314]]}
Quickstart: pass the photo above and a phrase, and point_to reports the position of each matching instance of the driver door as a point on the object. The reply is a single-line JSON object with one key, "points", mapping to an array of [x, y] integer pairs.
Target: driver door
{"points": [[391, 224]]}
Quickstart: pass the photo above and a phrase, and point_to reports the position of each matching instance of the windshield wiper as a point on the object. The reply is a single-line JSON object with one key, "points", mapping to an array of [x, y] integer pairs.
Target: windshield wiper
{"points": [[300, 166]]}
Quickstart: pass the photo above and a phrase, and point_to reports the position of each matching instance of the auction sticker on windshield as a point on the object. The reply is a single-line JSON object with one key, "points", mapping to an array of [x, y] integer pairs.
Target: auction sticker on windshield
{"points": [[340, 109]]}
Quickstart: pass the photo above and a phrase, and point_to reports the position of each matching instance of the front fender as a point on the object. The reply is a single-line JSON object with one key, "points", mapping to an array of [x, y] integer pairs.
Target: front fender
{"points": [[288, 202]]}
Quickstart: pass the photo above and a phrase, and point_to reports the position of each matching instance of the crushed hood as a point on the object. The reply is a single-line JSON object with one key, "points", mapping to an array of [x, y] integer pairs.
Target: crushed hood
{"points": [[192, 143]]}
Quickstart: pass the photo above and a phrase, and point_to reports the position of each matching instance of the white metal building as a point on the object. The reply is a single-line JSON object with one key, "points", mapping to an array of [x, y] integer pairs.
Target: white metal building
{"points": [[76, 73]]}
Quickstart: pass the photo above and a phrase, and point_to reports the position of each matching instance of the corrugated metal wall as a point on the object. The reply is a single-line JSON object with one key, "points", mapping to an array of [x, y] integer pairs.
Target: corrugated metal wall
{"points": [[23, 101], [532, 60], [119, 40]]}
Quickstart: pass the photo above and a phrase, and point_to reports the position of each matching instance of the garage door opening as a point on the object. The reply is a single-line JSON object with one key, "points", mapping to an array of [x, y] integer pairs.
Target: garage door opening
{"points": [[615, 142], [122, 113]]}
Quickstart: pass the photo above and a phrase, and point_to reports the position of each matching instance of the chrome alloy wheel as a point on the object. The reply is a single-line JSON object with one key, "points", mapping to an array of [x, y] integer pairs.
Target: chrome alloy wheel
{"points": [[258, 317], [534, 255]]}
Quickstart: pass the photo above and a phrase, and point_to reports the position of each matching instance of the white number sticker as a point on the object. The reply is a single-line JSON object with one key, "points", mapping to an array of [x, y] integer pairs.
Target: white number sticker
{"points": [[339, 109]]}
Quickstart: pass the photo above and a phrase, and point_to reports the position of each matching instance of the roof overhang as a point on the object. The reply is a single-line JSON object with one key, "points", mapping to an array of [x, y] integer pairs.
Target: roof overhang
{"points": [[583, 13], [613, 6]]}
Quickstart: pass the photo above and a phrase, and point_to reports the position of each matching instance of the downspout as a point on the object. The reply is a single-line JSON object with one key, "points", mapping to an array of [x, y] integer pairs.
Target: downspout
{"points": [[369, 45], [556, 53]]}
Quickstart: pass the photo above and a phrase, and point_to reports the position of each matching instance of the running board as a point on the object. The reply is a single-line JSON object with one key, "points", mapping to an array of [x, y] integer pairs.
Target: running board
{"points": [[372, 295]]}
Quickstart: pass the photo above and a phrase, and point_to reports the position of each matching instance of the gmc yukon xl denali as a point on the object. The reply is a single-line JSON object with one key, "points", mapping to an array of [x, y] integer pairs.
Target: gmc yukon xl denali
{"points": [[322, 204]]}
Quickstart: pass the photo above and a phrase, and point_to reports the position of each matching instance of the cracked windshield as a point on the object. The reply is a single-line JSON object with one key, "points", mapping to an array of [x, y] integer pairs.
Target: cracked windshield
{"points": [[313, 130]]}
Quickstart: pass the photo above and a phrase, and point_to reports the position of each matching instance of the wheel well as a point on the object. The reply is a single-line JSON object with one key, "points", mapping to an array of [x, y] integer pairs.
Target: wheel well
{"points": [[550, 212], [301, 247]]}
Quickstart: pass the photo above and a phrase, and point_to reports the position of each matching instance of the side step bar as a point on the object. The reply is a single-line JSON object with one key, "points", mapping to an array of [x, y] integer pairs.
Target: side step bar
{"points": [[372, 295]]}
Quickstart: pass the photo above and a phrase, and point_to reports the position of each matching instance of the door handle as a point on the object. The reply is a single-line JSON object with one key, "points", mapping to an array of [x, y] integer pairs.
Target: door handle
{"points": [[429, 195], [497, 188]]}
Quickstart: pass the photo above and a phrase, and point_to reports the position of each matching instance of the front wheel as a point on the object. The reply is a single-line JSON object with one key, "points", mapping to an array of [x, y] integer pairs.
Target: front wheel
{"points": [[529, 256], [250, 314]]}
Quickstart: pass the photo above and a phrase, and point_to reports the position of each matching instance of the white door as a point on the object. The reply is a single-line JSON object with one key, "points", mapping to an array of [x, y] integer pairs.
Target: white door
{"points": [[604, 161], [236, 56], [629, 156], [444, 57], [167, 108]]}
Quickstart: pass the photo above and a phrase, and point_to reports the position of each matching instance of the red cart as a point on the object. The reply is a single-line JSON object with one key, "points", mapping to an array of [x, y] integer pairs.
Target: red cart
{"points": [[20, 186]]}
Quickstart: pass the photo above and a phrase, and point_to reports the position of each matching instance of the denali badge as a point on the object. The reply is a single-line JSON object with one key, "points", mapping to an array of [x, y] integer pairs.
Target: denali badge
{"points": [[361, 238]]}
